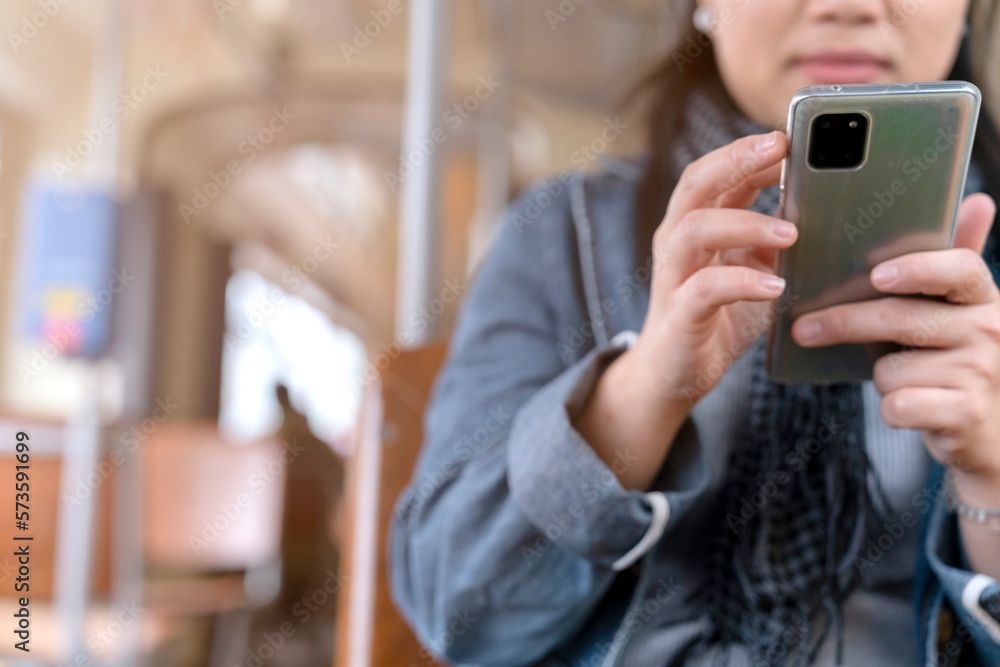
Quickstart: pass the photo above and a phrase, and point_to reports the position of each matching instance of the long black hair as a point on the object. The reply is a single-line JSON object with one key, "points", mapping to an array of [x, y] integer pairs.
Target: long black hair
{"points": [[691, 61]]}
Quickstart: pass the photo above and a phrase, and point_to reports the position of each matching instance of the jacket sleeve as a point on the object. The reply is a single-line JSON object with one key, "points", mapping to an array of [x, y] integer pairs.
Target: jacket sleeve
{"points": [[961, 609], [511, 528]]}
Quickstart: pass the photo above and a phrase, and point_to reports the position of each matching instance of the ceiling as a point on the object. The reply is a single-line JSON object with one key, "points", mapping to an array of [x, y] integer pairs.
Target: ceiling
{"points": [[187, 81], [560, 53]]}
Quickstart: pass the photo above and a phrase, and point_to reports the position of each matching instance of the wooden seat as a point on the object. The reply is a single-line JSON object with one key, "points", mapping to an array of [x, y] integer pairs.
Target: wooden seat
{"points": [[390, 430], [210, 505], [212, 515], [108, 624]]}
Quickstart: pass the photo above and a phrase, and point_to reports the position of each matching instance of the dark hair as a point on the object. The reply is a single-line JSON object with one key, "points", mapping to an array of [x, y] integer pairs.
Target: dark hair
{"points": [[691, 61]]}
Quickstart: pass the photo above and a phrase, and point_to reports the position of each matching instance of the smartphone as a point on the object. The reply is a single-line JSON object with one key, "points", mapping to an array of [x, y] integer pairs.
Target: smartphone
{"points": [[872, 172]]}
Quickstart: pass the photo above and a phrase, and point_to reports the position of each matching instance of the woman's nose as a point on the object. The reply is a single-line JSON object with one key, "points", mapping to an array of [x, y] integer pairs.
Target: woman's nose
{"points": [[849, 11]]}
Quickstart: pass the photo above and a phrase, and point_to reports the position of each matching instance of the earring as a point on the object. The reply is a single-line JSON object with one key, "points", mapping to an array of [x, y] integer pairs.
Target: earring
{"points": [[703, 19]]}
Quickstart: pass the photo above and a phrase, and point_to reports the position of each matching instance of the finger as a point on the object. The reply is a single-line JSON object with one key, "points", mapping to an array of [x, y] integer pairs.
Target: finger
{"points": [[746, 193], [907, 321], [959, 274], [975, 217], [712, 287], [705, 231], [711, 176], [950, 368], [929, 408], [762, 259]]}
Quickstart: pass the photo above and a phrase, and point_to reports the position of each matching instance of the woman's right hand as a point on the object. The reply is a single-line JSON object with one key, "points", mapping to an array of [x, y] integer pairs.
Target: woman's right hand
{"points": [[713, 279], [713, 270]]}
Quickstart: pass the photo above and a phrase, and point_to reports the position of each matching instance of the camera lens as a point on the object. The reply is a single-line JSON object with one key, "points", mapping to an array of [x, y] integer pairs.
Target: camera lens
{"points": [[837, 141]]}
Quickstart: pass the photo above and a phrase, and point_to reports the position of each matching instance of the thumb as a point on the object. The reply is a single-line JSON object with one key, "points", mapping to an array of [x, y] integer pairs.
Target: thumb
{"points": [[975, 218]]}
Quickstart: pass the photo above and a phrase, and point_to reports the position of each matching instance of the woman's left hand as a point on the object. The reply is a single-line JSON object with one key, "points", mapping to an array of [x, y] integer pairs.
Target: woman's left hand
{"points": [[947, 383]]}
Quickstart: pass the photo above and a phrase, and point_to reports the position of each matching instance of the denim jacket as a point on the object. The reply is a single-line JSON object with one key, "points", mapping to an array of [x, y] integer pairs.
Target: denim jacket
{"points": [[514, 543]]}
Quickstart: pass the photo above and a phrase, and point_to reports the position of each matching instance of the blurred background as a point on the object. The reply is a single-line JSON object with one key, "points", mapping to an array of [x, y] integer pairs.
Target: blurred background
{"points": [[234, 235]]}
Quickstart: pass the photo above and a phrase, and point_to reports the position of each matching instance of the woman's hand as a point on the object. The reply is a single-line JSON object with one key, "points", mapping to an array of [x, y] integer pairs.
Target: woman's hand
{"points": [[949, 385], [712, 284], [714, 271]]}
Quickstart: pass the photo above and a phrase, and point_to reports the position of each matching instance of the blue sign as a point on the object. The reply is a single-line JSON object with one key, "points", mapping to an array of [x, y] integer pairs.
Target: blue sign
{"points": [[68, 282]]}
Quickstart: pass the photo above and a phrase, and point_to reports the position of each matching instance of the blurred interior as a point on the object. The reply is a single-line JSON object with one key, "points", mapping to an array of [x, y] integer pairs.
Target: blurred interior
{"points": [[210, 251]]}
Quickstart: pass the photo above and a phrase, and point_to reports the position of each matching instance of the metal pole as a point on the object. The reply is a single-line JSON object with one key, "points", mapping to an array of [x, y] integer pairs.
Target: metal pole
{"points": [[106, 86], [83, 446], [421, 158], [75, 526], [493, 156]]}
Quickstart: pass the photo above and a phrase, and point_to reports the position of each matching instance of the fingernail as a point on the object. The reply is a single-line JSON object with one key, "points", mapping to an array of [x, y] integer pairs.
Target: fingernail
{"points": [[808, 331], [773, 283], [884, 275], [782, 229], [767, 142]]}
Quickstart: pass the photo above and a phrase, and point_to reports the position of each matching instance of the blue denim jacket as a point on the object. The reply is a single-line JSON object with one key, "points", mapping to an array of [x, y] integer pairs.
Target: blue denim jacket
{"points": [[514, 544]]}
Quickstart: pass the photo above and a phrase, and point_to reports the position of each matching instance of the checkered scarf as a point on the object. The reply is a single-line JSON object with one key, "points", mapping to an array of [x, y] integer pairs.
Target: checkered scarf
{"points": [[801, 467]]}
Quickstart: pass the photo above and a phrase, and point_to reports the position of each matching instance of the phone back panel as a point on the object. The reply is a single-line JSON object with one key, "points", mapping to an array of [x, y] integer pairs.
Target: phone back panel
{"points": [[902, 198]]}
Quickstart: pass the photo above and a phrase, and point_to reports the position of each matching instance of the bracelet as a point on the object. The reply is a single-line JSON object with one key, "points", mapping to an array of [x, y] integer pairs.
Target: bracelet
{"points": [[987, 518]]}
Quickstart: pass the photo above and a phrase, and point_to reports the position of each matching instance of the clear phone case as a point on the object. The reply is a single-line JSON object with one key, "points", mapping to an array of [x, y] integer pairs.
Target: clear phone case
{"points": [[902, 198]]}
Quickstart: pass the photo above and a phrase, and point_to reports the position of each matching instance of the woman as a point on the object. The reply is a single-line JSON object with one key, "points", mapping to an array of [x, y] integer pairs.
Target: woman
{"points": [[608, 476]]}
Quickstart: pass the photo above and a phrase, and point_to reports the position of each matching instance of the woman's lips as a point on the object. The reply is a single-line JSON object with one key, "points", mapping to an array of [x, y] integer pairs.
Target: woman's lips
{"points": [[841, 68]]}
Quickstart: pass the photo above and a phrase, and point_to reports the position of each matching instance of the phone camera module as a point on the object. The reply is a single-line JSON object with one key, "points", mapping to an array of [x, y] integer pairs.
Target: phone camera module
{"points": [[838, 140]]}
